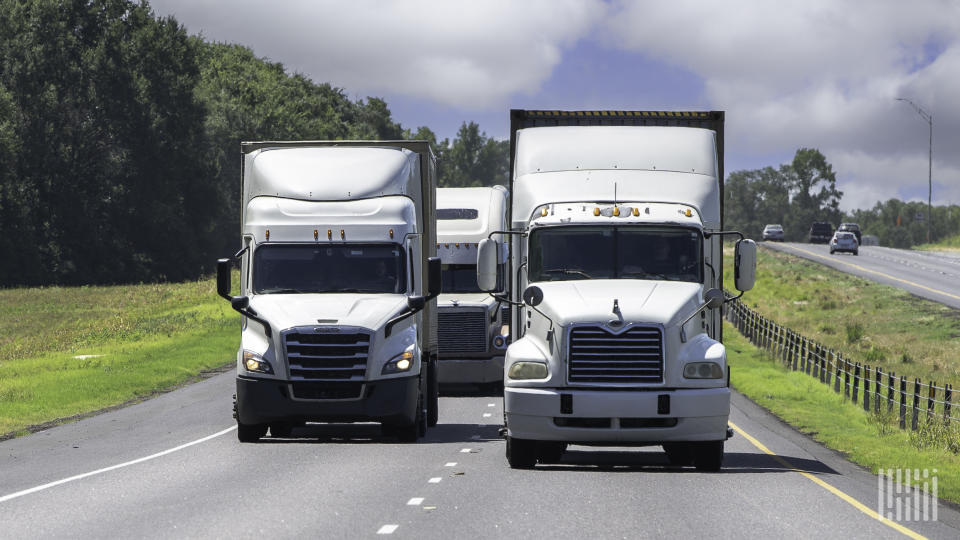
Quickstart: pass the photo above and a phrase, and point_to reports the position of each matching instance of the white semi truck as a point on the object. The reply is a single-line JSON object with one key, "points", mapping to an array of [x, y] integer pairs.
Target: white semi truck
{"points": [[338, 286], [616, 269], [471, 329]]}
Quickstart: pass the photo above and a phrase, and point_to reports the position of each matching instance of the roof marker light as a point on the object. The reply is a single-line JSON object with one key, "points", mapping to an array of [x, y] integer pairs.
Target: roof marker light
{"points": [[268, 234], [316, 234], [596, 211], [543, 212], [636, 211], [458, 245], [688, 213], [329, 234], [342, 234], [616, 210], [391, 233]]}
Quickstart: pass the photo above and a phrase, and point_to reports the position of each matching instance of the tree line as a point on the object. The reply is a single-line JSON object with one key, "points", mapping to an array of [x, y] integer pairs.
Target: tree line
{"points": [[798, 193], [120, 139]]}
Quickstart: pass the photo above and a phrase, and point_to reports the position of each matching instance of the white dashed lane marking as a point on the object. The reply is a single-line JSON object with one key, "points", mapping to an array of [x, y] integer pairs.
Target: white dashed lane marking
{"points": [[435, 480], [387, 529], [450, 464], [487, 415], [416, 501]]}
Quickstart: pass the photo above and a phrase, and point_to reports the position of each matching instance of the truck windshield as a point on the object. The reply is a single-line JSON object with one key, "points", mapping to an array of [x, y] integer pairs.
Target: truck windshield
{"points": [[309, 268], [631, 252]]}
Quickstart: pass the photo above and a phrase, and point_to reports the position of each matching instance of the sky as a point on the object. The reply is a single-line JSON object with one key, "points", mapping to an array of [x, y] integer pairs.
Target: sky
{"points": [[822, 74]]}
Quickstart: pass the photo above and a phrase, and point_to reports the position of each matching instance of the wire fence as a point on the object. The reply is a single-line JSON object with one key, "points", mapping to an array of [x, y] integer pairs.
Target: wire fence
{"points": [[861, 384]]}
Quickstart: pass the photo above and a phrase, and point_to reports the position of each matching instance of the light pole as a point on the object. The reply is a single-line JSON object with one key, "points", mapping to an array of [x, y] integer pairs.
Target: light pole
{"points": [[929, 118]]}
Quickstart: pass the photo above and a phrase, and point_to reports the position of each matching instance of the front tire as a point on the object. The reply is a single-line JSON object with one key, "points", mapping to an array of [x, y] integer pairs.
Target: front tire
{"points": [[679, 454], [708, 456], [411, 432], [250, 433], [521, 453], [550, 452]]}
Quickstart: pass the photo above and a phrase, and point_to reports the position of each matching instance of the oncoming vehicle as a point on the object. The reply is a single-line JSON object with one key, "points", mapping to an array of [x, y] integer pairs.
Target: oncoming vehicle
{"points": [[338, 282], [844, 241], [471, 328], [851, 227], [616, 285], [820, 232], [773, 233]]}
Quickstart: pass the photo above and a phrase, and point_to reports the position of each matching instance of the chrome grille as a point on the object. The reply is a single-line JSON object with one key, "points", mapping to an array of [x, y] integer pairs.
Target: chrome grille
{"points": [[634, 356], [338, 356], [462, 331]]}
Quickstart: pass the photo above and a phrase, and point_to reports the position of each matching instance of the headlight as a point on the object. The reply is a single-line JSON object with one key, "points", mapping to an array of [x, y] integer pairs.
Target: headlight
{"points": [[527, 370], [398, 364], [255, 363], [702, 370]]}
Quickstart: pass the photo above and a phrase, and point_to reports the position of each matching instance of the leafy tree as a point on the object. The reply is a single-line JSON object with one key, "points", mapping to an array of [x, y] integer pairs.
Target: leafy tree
{"points": [[473, 159], [813, 192], [754, 199]]}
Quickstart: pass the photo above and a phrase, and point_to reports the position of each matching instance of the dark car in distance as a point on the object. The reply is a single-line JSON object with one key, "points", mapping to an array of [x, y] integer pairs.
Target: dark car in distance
{"points": [[773, 232], [851, 227], [821, 232]]}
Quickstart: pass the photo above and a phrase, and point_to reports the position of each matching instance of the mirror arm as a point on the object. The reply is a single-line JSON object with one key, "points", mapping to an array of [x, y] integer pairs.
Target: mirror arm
{"points": [[708, 234], [251, 314], [388, 329]]}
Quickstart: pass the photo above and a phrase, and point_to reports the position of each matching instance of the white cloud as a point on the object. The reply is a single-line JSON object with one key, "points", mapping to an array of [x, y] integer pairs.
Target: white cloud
{"points": [[467, 54], [822, 74]]}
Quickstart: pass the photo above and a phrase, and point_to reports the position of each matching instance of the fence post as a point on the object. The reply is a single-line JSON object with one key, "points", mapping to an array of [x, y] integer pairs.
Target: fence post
{"points": [[866, 388], [877, 390], [856, 382], [824, 367], [836, 378], [846, 378], [916, 403], [947, 394], [830, 365], [931, 397], [890, 397], [793, 350], [903, 402]]}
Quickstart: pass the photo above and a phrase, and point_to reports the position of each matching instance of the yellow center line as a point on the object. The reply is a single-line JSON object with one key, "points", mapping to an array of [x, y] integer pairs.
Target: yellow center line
{"points": [[847, 498], [858, 267]]}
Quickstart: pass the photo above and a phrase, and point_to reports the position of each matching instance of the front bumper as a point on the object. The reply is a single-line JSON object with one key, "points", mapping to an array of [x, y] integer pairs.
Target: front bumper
{"points": [[261, 401], [608, 416], [470, 370]]}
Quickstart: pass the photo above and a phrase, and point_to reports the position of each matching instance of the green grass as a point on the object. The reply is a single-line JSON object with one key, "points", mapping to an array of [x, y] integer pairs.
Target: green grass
{"points": [[140, 339], [812, 407], [950, 243], [864, 321]]}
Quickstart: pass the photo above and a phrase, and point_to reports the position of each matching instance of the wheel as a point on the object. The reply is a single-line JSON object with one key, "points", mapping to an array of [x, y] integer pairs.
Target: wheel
{"points": [[411, 432], [855, 253], [679, 454], [250, 432], [433, 393], [521, 453], [281, 430], [708, 456], [550, 451], [831, 252]]}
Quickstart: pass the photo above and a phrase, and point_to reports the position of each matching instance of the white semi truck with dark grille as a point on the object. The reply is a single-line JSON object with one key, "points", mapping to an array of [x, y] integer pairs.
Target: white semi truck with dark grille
{"points": [[338, 286], [471, 328], [616, 282]]}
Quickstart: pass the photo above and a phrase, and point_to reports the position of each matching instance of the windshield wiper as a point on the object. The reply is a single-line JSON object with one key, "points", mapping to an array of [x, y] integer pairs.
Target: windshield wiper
{"points": [[568, 271], [649, 275]]}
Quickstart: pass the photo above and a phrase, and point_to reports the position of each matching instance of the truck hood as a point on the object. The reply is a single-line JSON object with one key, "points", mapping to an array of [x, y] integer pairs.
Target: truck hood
{"points": [[663, 302], [365, 310], [464, 299]]}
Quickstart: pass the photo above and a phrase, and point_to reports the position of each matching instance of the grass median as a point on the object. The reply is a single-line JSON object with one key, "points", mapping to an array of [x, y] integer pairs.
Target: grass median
{"points": [[68, 351], [812, 407]]}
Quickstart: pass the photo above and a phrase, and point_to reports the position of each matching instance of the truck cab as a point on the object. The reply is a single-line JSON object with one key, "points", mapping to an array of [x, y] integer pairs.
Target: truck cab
{"points": [[616, 252], [338, 286], [472, 333]]}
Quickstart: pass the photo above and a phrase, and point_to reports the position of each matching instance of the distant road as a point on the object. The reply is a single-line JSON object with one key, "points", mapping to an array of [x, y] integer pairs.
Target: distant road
{"points": [[935, 276]]}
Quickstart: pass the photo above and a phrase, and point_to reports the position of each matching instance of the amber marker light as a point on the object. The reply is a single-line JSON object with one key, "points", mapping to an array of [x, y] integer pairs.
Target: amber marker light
{"points": [[342, 234], [329, 234], [268, 234], [391, 233], [616, 210], [316, 234], [636, 212], [596, 211]]}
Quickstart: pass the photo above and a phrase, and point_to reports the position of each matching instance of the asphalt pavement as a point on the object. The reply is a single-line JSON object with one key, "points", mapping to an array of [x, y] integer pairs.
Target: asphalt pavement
{"points": [[171, 467]]}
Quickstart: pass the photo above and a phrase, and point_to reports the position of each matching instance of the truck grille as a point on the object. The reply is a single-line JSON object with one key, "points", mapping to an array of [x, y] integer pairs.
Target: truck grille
{"points": [[631, 357], [461, 331], [327, 357]]}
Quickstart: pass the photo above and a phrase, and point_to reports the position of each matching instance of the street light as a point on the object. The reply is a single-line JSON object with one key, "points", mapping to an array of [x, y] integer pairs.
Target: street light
{"points": [[929, 118]]}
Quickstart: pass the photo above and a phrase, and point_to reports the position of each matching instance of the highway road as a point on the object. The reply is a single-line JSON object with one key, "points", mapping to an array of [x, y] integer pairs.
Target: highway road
{"points": [[171, 467], [931, 275]]}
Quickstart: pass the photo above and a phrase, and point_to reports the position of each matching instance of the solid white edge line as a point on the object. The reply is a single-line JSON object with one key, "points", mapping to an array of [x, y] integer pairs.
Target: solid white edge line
{"points": [[6, 498]]}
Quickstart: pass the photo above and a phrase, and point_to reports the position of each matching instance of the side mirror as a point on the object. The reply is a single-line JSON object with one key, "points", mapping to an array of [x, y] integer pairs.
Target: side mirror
{"points": [[713, 298], [434, 277], [416, 303], [745, 265], [240, 303], [487, 265], [223, 278]]}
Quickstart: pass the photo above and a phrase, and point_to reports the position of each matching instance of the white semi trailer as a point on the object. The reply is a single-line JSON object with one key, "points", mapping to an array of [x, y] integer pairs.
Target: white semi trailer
{"points": [[471, 329], [616, 269], [338, 280]]}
